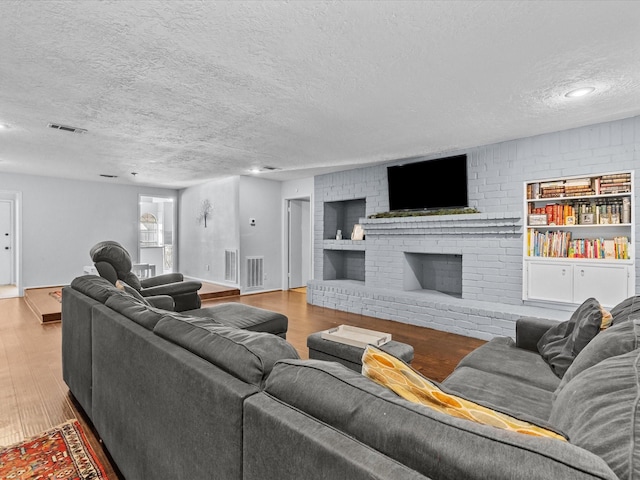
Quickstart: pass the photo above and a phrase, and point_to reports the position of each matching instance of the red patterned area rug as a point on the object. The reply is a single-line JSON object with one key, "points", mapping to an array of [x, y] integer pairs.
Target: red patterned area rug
{"points": [[62, 453]]}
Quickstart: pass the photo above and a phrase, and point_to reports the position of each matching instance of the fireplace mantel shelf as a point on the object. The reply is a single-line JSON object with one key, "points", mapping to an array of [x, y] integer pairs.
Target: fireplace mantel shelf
{"points": [[469, 224]]}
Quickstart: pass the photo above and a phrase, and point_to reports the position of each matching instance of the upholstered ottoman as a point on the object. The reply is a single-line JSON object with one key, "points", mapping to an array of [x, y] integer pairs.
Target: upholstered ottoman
{"points": [[349, 355], [246, 317]]}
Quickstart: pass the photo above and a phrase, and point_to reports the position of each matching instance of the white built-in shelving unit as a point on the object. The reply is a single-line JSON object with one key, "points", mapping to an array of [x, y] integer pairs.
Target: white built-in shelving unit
{"points": [[579, 239]]}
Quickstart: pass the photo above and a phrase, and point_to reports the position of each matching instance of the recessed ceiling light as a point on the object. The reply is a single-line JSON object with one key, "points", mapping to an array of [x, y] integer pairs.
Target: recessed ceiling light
{"points": [[263, 169], [580, 92]]}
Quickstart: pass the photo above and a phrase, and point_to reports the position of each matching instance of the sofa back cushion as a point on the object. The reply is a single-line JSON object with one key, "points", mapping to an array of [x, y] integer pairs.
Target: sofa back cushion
{"points": [[247, 355], [394, 374], [628, 308], [432, 443], [560, 345], [134, 309], [619, 339], [94, 287], [598, 409]]}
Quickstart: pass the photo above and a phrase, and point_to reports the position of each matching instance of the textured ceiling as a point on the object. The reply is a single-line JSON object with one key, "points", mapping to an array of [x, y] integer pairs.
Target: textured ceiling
{"points": [[185, 91]]}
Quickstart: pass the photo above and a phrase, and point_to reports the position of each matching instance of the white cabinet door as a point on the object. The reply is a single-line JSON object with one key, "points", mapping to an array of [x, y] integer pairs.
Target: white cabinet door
{"points": [[550, 281], [606, 283]]}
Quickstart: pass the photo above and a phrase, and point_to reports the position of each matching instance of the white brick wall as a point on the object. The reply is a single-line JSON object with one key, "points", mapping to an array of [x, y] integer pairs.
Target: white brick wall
{"points": [[492, 263]]}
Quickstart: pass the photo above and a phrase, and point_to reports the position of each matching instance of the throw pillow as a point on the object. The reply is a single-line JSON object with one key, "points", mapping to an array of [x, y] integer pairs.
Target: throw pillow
{"points": [[626, 309], [392, 373], [617, 340], [598, 409], [560, 345], [131, 291]]}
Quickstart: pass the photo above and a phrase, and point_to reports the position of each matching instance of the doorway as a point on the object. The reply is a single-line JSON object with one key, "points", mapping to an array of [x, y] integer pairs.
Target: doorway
{"points": [[156, 237], [9, 244], [299, 242]]}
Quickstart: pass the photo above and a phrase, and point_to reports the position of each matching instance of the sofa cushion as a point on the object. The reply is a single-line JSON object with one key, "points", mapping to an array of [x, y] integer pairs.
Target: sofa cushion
{"points": [[95, 287], [510, 395], [247, 355], [598, 408], [246, 317], [131, 307], [617, 340], [432, 443], [392, 373], [626, 309], [501, 356], [562, 343]]}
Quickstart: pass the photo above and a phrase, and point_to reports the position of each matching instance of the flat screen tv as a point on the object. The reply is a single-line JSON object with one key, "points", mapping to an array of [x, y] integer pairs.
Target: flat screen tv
{"points": [[429, 185]]}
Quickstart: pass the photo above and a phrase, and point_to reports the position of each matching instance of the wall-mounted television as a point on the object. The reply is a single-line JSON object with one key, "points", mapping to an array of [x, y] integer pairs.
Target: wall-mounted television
{"points": [[429, 184]]}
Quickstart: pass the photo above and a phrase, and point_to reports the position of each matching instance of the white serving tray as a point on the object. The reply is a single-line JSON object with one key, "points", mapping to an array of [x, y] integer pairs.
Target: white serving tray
{"points": [[357, 337]]}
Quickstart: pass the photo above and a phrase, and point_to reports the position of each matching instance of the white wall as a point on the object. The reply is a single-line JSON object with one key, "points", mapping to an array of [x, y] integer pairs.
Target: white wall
{"points": [[235, 201], [62, 219], [200, 246], [260, 199]]}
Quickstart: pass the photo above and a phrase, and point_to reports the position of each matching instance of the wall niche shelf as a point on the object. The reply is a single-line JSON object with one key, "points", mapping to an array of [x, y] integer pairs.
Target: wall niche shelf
{"points": [[344, 259], [342, 215], [359, 245]]}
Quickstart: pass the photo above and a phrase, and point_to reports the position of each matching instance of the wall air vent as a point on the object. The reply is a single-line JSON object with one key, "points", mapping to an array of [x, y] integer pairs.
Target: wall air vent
{"points": [[66, 128], [255, 269], [231, 265]]}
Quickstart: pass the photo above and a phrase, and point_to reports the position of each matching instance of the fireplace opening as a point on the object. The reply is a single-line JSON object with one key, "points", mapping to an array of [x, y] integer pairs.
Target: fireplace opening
{"points": [[433, 271]]}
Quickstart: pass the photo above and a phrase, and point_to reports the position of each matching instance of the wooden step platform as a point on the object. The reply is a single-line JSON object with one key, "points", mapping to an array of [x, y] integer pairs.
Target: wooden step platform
{"points": [[212, 290], [46, 302]]}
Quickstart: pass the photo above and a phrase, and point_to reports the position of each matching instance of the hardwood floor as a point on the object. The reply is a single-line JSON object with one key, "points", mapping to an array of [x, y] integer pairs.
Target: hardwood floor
{"points": [[34, 397]]}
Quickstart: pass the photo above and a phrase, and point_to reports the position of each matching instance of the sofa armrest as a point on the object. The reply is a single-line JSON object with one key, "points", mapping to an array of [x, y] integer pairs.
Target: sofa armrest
{"points": [[161, 280], [529, 330], [164, 302], [172, 289]]}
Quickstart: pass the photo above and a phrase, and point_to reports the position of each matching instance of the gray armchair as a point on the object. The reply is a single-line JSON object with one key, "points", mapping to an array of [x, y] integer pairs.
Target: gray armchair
{"points": [[113, 262]]}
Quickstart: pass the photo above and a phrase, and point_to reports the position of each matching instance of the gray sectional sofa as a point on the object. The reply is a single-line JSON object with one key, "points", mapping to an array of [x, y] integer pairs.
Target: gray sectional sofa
{"points": [[180, 396]]}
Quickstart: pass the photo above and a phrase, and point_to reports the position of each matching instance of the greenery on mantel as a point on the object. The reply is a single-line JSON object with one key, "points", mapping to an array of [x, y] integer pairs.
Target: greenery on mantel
{"points": [[423, 213]]}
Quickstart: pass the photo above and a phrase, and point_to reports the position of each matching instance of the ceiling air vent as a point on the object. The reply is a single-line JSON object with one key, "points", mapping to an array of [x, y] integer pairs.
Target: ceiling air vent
{"points": [[270, 168], [66, 128]]}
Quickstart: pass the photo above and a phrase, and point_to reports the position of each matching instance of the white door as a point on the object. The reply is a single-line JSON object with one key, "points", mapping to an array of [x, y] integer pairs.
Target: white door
{"points": [[6, 247]]}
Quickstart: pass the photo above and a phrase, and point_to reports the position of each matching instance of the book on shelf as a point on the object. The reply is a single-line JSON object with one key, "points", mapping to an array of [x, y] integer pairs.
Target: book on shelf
{"points": [[559, 244], [614, 183], [616, 177], [600, 211]]}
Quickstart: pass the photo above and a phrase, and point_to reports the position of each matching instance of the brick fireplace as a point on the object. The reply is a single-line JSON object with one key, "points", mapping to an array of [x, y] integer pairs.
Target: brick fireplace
{"points": [[451, 272]]}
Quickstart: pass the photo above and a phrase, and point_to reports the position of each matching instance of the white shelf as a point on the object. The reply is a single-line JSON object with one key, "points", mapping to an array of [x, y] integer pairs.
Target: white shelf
{"points": [[567, 199], [573, 279]]}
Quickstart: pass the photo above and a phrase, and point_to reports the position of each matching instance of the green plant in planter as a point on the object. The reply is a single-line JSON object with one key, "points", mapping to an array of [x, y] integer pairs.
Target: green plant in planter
{"points": [[444, 211]]}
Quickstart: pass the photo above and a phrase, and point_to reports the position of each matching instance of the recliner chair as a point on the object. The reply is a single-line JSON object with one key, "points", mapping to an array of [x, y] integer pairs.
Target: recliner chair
{"points": [[113, 262]]}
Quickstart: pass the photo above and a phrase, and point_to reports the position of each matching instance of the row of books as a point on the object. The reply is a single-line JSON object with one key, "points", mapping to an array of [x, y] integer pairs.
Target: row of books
{"points": [[561, 245], [605, 212], [615, 183], [578, 187]]}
